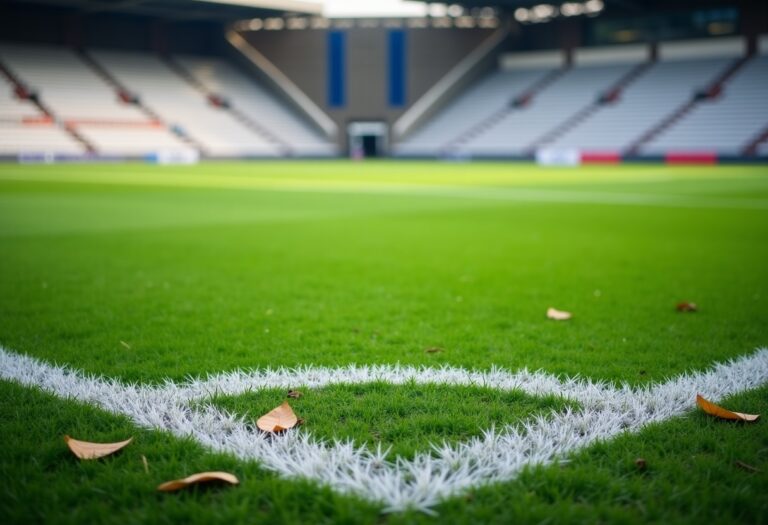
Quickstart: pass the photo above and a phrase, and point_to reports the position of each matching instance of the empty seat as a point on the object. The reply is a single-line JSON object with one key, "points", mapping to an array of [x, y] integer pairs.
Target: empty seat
{"points": [[522, 128], [180, 104], [726, 124], [18, 138], [132, 141], [658, 92], [259, 105], [67, 86], [492, 94]]}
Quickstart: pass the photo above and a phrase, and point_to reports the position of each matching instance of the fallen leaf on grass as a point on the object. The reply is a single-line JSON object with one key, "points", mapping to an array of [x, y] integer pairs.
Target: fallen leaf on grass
{"points": [[194, 479], [747, 467], [687, 307], [433, 350], [294, 394], [723, 413], [558, 315], [86, 450], [278, 419]]}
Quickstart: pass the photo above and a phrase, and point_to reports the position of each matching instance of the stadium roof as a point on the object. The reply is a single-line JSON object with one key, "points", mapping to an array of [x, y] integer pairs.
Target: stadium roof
{"points": [[241, 9], [627, 5], [188, 9]]}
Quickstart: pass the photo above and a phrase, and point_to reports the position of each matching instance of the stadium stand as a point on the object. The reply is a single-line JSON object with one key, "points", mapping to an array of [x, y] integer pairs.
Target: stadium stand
{"points": [[25, 128], [182, 107], [519, 132], [84, 107], [68, 87], [253, 104], [488, 101], [661, 90], [687, 97], [726, 121], [699, 96], [536, 109], [112, 103]]}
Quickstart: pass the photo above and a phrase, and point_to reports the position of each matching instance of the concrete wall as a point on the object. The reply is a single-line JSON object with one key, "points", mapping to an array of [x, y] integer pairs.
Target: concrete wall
{"points": [[711, 47], [302, 56]]}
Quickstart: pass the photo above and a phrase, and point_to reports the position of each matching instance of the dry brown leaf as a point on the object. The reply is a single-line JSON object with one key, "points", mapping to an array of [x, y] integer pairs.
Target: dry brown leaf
{"points": [[278, 419], [687, 307], [194, 479], [294, 394], [86, 450], [723, 413], [558, 315], [434, 350]]}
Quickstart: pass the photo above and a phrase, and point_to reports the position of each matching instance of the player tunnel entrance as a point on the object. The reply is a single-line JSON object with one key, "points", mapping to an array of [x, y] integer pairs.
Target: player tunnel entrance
{"points": [[368, 139]]}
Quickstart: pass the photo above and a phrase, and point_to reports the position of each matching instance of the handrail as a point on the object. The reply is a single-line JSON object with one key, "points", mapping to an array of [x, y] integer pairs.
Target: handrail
{"points": [[290, 89]]}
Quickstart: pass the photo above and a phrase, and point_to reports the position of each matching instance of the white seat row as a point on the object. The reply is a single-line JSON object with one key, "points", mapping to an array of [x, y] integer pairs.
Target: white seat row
{"points": [[258, 105], [38, 139], [75, 94], [180, 104], [492, 94], [132, 141], [78, 97], [520, 130], [66, 85], [658, 92], [726, 124]]}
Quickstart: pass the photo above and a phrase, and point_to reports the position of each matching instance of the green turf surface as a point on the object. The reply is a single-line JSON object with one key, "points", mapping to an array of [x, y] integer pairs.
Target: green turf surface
{"points": [[404, 419], [691, 477], [223, 266]]}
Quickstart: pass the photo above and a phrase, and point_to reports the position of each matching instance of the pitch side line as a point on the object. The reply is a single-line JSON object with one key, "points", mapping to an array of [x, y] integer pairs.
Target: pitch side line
{"points": [[422, 482]]}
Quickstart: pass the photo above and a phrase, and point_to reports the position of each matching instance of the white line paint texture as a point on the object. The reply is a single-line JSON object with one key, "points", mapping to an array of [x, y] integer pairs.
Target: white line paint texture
{"points": [[420, 483]]}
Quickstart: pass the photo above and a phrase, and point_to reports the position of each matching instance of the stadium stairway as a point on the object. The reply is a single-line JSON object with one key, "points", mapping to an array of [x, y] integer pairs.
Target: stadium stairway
{"points": [[758, 145], [223, 103]]}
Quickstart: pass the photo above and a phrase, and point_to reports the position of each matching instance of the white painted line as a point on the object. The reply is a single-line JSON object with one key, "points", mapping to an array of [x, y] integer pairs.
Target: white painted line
{"points": [[397, 484]]}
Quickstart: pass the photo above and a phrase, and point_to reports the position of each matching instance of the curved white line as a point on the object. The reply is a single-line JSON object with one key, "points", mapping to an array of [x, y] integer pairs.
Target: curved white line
{"points": [[420, 483]]}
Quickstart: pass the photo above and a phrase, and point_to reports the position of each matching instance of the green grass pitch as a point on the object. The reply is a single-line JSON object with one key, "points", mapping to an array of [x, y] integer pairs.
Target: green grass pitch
{"points": [[148, 273]]}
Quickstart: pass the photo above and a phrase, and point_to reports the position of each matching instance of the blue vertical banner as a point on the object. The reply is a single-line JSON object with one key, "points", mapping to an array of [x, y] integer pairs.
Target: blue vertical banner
{"points": [[337, 69], [397, 67]]}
